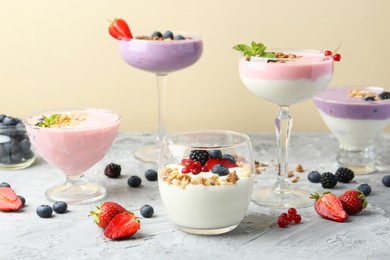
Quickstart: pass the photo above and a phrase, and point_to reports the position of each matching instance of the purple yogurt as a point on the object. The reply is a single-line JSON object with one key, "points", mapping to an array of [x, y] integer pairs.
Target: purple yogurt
{"points": [[337, 102], [162, 57]]}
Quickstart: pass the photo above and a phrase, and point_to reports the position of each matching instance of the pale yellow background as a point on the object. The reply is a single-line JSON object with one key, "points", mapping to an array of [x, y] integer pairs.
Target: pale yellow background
{"points": [[56, 54]]}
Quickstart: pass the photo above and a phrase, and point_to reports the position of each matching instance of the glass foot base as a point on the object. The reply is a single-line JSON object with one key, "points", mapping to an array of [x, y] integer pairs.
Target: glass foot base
{"points": [[147, 153], [215, 231], [288, 198], [76, 193], [360, 162]]}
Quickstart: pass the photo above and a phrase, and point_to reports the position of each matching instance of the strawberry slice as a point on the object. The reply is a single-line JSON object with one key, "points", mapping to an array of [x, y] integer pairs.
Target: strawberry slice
{"points": [[9, 201], [211, 162], [122, 225], [120, 30], [329, 206]]}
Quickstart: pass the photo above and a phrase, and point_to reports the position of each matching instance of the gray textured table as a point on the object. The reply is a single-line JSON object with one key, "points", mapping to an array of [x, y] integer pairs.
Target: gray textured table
{"points": [[23, 235]]}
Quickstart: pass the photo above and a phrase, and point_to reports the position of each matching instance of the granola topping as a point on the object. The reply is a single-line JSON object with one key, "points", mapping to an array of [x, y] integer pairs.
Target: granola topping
{"points": [[69, 119]]}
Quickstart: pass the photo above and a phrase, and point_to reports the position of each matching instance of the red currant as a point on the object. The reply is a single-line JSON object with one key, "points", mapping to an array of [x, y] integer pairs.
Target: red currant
{"points": [[284, 215], [297, 219], [205, 169], [195, 171], [337, 57], [185, 170], [292, 211], [189, 164], [282, 222], [289, 218], [328, 53]]}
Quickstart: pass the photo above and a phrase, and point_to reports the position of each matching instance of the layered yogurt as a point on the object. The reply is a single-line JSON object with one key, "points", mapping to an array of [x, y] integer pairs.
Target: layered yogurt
{"points": [[76, 140], [286, 81], [162, 56], [355, 116], [206, 200]]}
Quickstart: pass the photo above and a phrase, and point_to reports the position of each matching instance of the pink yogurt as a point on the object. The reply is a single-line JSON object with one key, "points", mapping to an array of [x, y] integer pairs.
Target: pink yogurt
{"points": [[77, 148], [162, 57]]}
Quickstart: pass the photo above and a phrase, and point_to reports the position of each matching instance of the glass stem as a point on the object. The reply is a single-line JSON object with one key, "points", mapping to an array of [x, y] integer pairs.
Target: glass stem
{"points": [[283, 124], [161, 95]]}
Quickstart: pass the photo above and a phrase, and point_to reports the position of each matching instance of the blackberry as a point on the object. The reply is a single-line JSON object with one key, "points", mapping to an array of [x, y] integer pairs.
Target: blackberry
{"points": [[112, 170], [328, 180], [369, 98], [201, 156], [344, 175], [384, 95]]}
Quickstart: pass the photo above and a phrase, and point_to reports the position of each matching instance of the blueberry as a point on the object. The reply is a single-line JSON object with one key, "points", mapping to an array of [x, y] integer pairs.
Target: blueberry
{"points": [[147, 211], [151, 175], [229, 157], [44, 211], [365, 189], [8, 121], [134, 181], [6, 159], [314, 176], [2, 116], [386, 180], [22, 199], [179, 37], [28, 155], [215, 154], [5, 184], [25, 145], [60, 207], [157, 34], [220, 169], [168, 34]]}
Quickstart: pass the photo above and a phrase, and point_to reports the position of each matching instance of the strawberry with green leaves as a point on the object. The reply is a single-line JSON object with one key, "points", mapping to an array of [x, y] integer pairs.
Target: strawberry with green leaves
{"points": [[353, 201], [122, 225], [9, 201], [106, 212], [329, 206], [120, 30]]}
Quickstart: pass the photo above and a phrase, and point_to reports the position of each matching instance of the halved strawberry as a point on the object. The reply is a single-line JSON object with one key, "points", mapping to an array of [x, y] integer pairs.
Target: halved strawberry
{"points": [[120, 30], [106, 212], [211, 162], [122, 225], [329, 206], [9, 201]]}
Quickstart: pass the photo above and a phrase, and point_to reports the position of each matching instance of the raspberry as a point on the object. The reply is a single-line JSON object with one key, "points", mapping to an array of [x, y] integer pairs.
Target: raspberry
{"points": [[112, 170], [328, 180], [201, 156], [344, 175]]}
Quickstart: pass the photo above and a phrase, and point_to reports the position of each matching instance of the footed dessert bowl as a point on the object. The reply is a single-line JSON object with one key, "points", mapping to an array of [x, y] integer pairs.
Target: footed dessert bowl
{"points": [[205, 179], [73, 140]]}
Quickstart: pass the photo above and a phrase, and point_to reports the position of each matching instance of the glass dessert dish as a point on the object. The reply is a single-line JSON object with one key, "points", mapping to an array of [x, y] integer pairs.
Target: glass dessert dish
{"points": [[285, 81], [356, 117], [15, 146], [160, 57], [206, 179], [73, 140]]}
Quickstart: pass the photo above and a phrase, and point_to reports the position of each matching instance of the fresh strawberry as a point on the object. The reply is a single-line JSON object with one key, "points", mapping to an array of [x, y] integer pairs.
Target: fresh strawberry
{"points": [[211, 162], [122, 225], [120, 30], [329, 206], [9, 201], [106, 212], [353, 201]]}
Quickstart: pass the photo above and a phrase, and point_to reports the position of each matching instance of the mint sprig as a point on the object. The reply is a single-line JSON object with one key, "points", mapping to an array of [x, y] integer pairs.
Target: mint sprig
{"points": [[255, 50], [48, 121]]}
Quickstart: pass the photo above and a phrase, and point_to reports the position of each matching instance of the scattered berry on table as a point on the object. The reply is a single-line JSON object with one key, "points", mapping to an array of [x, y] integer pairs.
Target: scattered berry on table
{"points": [[151, 175], [105, 212], [344, 175], [282, 222], [297, 219], [60, 207], [168, 34], [9, 201], [123, 225], [44, 211], [147, 211], [229, 157], [353, 201], [22, 199], [329, 206], [288, 217], [201, 156], [220, 169], [215, 154], [157, 34], [328, 180], [384, 95], [365, 189], [5, 184], [179, 37], [112, 170], [292, 211], [314, 176], [386, 180], [134, 181]]}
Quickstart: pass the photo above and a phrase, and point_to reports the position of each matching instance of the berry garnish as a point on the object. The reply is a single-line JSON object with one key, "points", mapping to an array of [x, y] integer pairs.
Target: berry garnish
{"points": [[120, 30], [328, 53], [168, 35], [384, 95], [156, 35], [60, 207], [151, 175], [215, 154], [201, 156], [44, 211], [112, 170], [147, 211], [328, 180], [220, 169], [179, 37], [229, 158], [134, 181], [344, 175], [337, 57], [365, 189]]}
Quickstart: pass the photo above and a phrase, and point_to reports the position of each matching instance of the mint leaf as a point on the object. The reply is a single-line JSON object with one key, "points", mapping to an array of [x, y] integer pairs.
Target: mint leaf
{"points": [[246, 50], [48, 121], [256, 49], [268, 55]]}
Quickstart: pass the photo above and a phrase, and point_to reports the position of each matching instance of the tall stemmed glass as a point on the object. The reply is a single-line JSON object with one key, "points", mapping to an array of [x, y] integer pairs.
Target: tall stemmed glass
{"points": [[285, 81], [161, 57]]}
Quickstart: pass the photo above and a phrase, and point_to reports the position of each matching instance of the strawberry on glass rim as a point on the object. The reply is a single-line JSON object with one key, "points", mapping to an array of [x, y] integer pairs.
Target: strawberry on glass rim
{"points": [[120, 30]]}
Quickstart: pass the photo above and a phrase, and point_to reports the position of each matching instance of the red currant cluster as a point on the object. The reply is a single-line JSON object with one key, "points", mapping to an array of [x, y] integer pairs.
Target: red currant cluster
{"points": [[291, 216], [336, 56], [194, 167]]}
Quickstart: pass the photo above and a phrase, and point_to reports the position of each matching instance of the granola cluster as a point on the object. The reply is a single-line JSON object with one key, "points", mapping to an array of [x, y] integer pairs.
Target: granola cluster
{"points": [[361, 93], [69, 119], [172, 176], [281, 55], [156, 38]]}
